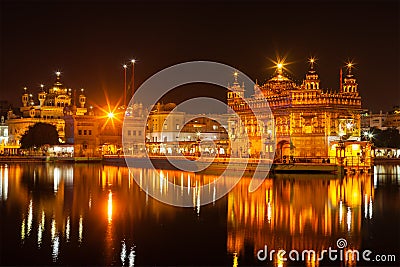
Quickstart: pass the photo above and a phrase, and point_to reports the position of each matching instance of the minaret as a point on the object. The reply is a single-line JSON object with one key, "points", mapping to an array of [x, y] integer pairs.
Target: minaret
{"points": [[42, 95], [25, 97], [236, 91], [350, 82], [82, 98], [312, 79], [57, 84]]}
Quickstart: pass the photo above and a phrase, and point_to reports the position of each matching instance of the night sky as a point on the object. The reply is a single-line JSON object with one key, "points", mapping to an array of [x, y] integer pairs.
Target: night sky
{"points": [[88, 41]]}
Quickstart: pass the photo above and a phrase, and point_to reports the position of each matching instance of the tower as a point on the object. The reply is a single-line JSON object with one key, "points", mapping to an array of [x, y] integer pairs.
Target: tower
{"points": [[57, 87], [82, 99], [312, 79], [236, 92], [25, 97], [350, 82], [42, 95]]}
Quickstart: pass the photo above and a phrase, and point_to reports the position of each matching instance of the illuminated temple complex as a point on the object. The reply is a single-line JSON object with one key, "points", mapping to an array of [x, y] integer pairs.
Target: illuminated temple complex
{"points": [[310, 122], [50, 107]]}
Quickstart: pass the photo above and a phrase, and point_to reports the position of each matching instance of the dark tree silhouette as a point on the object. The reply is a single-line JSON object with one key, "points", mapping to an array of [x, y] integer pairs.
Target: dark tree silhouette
{"points": [[40, 134], [385, 138]]}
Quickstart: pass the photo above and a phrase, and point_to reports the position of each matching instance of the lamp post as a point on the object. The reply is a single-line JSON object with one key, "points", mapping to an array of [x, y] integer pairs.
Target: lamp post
{"points": [[124, 66], [133, 77]]}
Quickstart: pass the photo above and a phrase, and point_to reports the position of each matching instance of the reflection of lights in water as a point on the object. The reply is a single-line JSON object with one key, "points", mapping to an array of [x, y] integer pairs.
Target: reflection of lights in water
{"points": [[365, 206], [188, 184], [23, 230], [4, 186], [53, 228], [340, 211], [109, 207], [132, 257], [269, 212], [235, 260], [198, 201], [80, 233], [43, 219], [214, 194], [194, 197], [182, 184], [370, 207], [147, 195], [279, 262], [55, 245], [348, 218], [57, 177], [161, 181], [55, 241], [166, 184], [68, 176], [141, 178], [123, 252], [67, 229], [30, 216], [90, 201], [39, 236], [375, 178], [41, 229]]}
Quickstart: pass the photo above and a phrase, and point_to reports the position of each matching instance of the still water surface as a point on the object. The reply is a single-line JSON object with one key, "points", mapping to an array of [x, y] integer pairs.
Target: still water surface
{"points": [[90, 214]]}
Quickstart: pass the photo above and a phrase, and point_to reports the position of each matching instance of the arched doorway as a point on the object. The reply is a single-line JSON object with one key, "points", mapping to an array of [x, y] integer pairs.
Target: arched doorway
{"points": [[282, 151]]}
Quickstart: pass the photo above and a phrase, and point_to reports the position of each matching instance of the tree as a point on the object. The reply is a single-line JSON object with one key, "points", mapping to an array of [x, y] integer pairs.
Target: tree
{"points": [[40, 134]]}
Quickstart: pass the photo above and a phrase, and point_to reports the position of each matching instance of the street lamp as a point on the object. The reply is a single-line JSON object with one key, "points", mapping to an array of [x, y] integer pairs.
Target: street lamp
{"points": [[133, 77], [124, 66]]}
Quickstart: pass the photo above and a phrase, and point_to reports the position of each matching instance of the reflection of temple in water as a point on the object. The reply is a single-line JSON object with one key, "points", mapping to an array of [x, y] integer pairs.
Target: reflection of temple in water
{"points": [[298, 214], [101, 207], [58, 203]]}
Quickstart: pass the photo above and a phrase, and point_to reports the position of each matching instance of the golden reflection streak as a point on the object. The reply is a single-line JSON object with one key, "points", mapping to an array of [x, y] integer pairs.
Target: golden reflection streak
{"points": [[80, 229], [67, 229], [5, 183], [30, 216], [123, 253], [41, 229], [132, 256], [23, 230], [235, 260], [109, 207]]}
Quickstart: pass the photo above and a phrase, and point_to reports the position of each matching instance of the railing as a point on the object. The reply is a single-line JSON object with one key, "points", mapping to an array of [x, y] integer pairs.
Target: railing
{"points": [[313, 160]]}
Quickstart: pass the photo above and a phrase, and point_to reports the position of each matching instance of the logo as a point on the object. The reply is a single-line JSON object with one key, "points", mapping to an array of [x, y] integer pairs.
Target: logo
{"points": [[249, 125]]}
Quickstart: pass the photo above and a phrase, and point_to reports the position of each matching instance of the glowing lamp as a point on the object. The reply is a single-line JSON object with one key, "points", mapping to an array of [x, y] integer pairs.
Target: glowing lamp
{"points": [[110, 115]]}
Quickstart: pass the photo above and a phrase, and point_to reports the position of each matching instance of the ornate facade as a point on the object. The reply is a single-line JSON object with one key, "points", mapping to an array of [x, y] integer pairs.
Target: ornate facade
{"points": [[309, 121], [50, 107]]}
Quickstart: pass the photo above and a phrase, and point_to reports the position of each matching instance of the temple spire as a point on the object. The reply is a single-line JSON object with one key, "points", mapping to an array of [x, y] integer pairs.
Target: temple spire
{"points": [[349, 66], [235, 76], [312, 60]]}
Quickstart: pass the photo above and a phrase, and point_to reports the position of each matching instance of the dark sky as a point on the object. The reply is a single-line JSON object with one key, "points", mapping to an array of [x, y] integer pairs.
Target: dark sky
{"points": [[90, 40]]}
